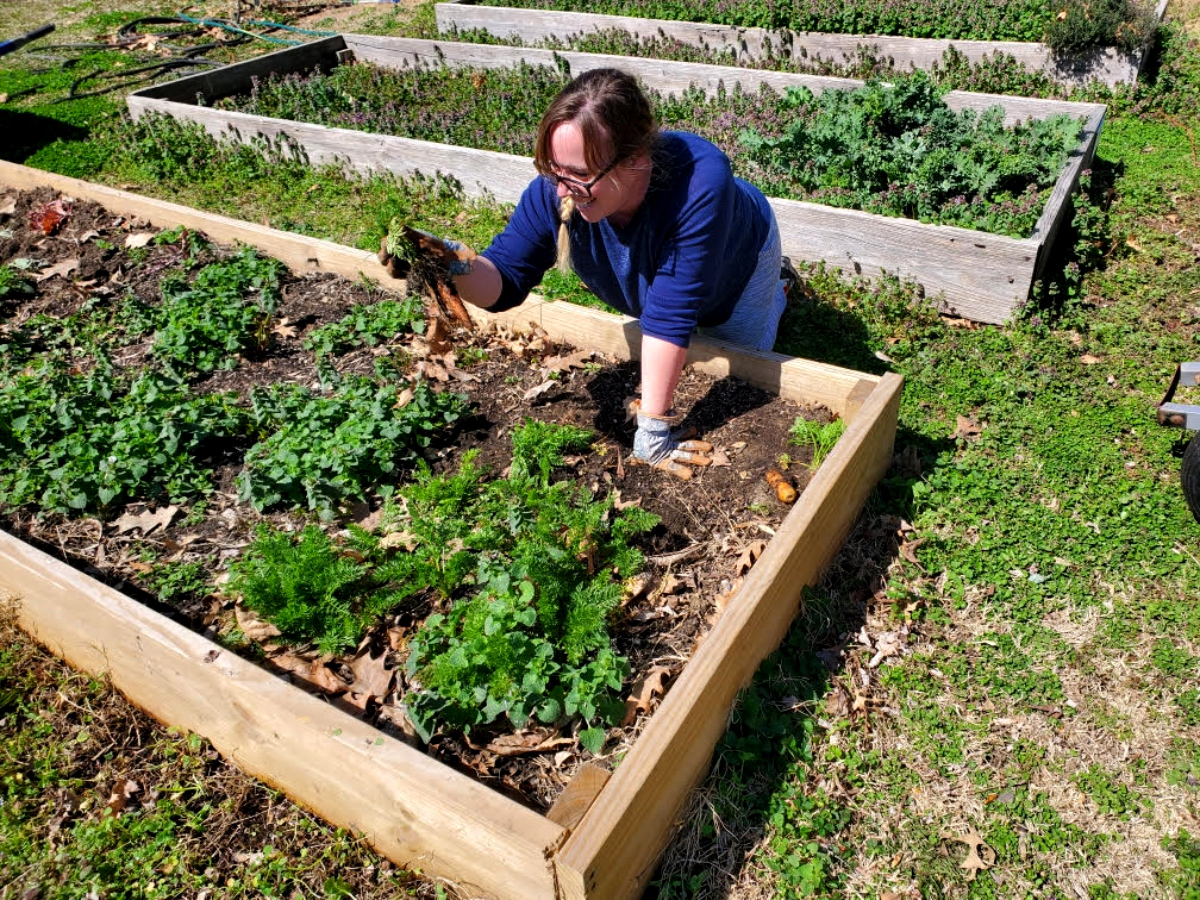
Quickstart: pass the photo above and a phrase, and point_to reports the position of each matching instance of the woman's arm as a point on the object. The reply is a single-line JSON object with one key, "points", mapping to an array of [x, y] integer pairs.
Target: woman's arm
{"points": [[662, 363], [482, 285]]}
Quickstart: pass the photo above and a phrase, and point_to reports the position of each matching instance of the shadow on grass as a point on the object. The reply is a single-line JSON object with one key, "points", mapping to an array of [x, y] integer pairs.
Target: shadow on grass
{"points": [[26, 133]]}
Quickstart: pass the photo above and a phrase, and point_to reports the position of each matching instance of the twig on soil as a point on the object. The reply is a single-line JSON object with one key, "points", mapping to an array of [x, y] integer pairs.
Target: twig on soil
{"points": [[687, 554]]}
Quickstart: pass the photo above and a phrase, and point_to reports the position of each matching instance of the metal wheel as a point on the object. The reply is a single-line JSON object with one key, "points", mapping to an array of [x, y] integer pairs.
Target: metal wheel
{"points": [[1190, 476]]}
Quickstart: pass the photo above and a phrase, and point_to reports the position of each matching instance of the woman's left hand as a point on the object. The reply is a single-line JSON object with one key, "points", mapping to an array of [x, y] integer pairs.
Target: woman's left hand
{"points": [[656, 443]]}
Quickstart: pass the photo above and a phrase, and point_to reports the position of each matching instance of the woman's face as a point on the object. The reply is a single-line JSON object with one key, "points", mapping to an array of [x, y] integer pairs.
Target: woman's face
{"points": [[609, 195]]}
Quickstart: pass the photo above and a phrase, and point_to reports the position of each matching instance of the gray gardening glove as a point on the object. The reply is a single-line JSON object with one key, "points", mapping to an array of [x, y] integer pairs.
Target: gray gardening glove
{"points": [[657, 444]]}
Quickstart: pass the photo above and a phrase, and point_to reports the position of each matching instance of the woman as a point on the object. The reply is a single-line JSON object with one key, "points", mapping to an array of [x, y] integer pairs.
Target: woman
{"points": [[655, 224]]}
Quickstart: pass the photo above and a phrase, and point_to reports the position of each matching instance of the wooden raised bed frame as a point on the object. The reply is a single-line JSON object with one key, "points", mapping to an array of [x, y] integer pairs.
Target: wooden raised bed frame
{"points": [[972, 274], [1109, 65], [416, 811]]}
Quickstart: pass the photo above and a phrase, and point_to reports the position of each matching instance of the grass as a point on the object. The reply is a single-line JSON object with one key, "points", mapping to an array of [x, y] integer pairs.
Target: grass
{"points": [[1035, 576]]}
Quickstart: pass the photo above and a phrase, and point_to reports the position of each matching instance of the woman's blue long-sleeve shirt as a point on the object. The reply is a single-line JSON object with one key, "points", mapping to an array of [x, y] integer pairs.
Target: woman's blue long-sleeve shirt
{"points": [[682, 261]]}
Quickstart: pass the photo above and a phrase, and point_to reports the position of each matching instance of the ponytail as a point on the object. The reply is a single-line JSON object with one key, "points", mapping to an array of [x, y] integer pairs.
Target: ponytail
{"points": [[566, 209]]}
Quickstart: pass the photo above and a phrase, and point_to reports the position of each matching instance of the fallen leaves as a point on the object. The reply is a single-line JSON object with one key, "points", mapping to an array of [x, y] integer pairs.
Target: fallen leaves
{"points": [[49, 217], [980, 857], [146, 520], [372, 679], [62, 269], [122, 793], [968, 429], [749, 557], [644, 690], [141, 239], [284, 328], [254, 627]]}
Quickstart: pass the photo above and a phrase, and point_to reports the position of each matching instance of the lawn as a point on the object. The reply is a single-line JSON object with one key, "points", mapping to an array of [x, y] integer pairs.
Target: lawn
{"points": [[993, 693]]}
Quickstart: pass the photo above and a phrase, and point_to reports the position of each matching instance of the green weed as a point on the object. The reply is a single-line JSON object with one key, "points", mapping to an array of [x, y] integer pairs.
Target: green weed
{"points": [[818, 438]]}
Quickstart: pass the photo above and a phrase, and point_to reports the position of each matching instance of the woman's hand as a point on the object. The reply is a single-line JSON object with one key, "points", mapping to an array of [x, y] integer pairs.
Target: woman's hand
{"points": [[658, 444]]}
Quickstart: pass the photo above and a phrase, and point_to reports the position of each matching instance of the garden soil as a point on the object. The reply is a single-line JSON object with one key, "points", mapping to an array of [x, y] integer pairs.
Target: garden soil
{"points": [[713, 527]]}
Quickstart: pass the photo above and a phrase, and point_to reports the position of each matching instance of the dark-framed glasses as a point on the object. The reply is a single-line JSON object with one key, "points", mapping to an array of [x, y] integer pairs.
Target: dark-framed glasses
{"points": [[577, 187]]}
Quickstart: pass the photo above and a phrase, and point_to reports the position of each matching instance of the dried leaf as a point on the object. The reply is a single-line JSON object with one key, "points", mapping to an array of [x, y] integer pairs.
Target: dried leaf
{"points": [[284, 329], [140, 239], [8, 206], [575, 360], [399, 539], [646, 688], [722, 599], [252, 626], [86, 236], [146, 520], [63, 269], [1088, 360], [980, 857], [534, 392], [749, 556], [371, 677], [720, 458], [968, 429], [909, 551], [122, 791], [886, 645], [49, 217], [525, 742]]}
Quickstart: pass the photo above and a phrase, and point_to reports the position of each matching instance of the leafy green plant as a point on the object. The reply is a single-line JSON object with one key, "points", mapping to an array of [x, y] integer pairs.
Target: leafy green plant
{"points": [[818, 438], [13, 284], [546, 560], [326, 447], [538, 448], [1080, 25], [76, 442], [173, 581], [224, 311], [367, 324], [898, 150]]}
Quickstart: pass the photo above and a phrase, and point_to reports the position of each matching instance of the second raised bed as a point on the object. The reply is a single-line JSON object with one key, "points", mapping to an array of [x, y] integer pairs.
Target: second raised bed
{"points": [[969, 273]]}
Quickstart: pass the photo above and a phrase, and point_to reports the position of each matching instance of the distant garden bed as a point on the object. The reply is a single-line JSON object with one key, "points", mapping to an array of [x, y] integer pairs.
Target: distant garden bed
{"points": [[1074, 42]]}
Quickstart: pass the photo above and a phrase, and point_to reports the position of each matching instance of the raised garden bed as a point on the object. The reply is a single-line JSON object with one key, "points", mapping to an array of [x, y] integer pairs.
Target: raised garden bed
{"points": [[973, 274], [602, 836], [1108, 65]]}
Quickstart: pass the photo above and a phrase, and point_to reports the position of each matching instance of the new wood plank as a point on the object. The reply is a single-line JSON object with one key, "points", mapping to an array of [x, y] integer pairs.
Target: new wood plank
{"points": [[612, 852], [1109, 65], [414, 810]]}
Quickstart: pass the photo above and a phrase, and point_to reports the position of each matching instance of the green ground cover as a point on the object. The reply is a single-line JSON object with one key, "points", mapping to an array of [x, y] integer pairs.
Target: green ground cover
{"points": [[893, 150], [1027, 574], [1069, 26]]}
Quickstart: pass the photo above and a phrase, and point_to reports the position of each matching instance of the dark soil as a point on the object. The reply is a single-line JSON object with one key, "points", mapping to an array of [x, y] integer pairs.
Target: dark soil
{"points": [[697, 553]]}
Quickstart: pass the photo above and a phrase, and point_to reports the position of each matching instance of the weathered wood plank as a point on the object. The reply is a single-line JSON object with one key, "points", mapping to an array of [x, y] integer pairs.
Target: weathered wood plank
{"points": [[1109, 65], [613, 850], [666, 75], [221, 82], [411, 808], [1058, 205]]}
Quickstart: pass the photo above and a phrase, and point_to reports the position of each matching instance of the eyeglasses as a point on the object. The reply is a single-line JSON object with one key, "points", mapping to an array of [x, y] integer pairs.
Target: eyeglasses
{"points": [[575, 186]]}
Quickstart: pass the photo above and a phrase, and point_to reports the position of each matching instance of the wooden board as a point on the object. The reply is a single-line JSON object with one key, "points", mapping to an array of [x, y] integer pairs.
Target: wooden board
{"points": [[613, 851], [412, 809], [330, 762], [969, 273], [1108, 65]]}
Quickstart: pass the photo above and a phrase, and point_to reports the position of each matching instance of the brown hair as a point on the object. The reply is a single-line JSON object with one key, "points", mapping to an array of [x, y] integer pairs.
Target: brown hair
{"points": [[615, 120]]}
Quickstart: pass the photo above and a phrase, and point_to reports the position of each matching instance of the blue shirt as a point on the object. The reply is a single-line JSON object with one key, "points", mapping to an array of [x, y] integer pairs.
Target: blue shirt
{"points": [[683, 260]]}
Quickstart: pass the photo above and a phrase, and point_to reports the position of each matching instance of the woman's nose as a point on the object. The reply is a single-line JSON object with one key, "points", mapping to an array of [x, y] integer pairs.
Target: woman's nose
{"points": [[562, 190]]}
